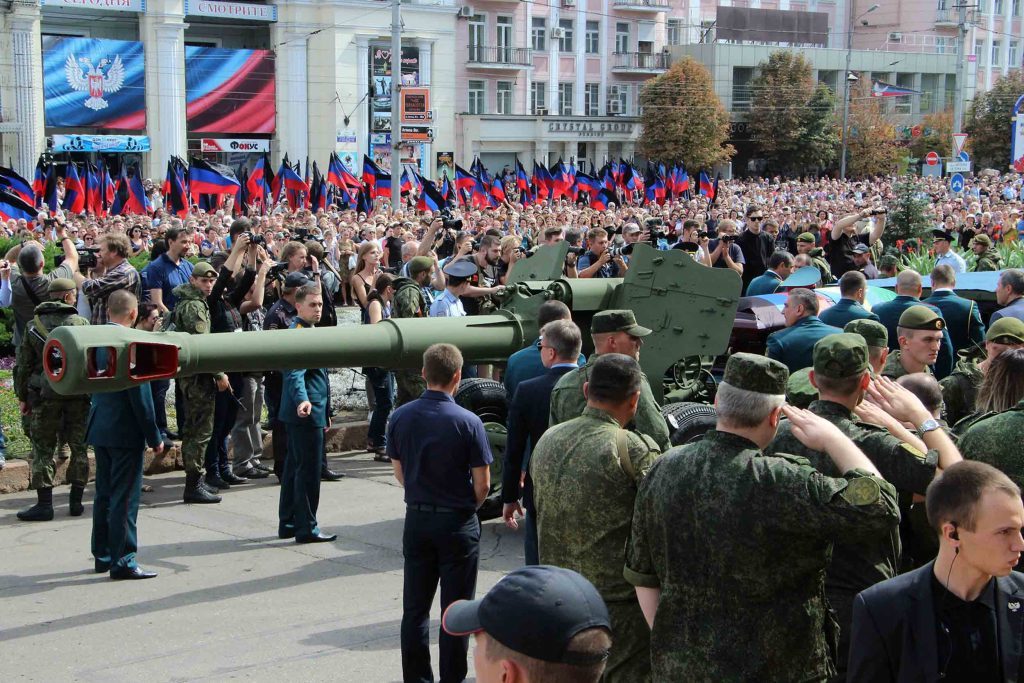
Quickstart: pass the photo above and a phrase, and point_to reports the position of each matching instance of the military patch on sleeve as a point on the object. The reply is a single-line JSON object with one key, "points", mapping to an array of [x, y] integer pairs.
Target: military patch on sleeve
{"points": [[912, 451], [202, 327], [861, 491]]}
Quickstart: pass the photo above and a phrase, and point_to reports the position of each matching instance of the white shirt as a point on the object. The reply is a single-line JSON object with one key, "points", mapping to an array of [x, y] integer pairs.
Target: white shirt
{"points": [[953, 260], [447, 306]]}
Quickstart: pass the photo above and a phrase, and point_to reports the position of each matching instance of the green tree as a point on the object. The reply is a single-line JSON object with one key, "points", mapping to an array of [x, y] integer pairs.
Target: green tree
{"points": [[789, 122], [819, 135], [871, 148], [936, 134], [908, 212], [988, 122], [683, 119]]}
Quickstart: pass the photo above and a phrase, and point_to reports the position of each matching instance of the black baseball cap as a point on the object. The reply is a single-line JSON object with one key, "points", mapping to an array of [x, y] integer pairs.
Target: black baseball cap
{"points": [[556, 603]]}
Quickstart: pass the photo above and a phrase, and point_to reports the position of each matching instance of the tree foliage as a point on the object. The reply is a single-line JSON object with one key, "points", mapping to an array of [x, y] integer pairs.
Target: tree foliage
{"points": [[988, 122], [791, 118], [908, 213], [683, 119], [872, 148], [936, 134]]}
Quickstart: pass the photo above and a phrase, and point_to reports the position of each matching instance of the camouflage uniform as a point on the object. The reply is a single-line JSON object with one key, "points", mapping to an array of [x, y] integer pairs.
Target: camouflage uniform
{"points": [[996, 440], [192, 316], [738, 543], [584, 499], [960, 388], [799, 390], [568, 402], [409, 302], [894, 368], [988, 260], [817, 256], [53, 417]]}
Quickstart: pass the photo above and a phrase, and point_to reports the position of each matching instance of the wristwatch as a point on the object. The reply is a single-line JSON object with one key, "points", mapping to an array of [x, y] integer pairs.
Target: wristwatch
{"points": [[929, 425]]}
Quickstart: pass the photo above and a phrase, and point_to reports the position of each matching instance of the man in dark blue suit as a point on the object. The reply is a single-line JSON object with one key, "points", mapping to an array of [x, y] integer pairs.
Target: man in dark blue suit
{"points": [[526, 363], [120, 426], [528, 418], [963, 319], [853, 288], [959, 618], [305, 411], [908, 293], [794, 346]]}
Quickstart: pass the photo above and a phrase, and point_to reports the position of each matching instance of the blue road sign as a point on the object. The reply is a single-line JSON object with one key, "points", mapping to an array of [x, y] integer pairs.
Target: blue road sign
{"points": [[964, 156], [956, 182]]}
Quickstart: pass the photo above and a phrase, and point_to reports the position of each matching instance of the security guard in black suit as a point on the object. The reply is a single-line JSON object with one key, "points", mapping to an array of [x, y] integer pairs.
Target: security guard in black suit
{"points": [[305, 411], [119, 455]]}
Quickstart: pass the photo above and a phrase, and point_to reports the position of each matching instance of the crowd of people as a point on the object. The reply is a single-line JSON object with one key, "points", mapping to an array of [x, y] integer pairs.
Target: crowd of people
{"points": [[867, 448]]}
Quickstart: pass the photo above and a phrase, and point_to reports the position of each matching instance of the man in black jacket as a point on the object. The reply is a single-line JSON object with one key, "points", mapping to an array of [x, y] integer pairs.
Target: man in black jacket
{"points": [[960, 617], [757, 245], [528, 418]]}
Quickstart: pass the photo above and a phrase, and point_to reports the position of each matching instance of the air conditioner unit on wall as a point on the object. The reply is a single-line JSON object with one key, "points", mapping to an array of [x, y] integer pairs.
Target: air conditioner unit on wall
{"points": [[558, 33], [542, 111], [465, 12], [615, 107], [568, 3], [895, 37]]}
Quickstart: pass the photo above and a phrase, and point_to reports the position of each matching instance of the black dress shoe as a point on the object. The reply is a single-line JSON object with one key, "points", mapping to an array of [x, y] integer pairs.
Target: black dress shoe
{"points": [[130, 573], [252, 473], [262, 468], [319, 537], [232, 478], [102, 567], [285, 532], [212, 480], [171, 435], [330, 475]]}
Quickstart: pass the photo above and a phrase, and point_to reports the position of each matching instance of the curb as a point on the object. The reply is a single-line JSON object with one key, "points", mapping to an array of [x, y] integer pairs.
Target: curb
{"points": [[16, 474]]}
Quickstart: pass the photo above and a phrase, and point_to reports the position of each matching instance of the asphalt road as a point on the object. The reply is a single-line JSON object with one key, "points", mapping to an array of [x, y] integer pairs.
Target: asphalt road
{"points": [[231, 601]]}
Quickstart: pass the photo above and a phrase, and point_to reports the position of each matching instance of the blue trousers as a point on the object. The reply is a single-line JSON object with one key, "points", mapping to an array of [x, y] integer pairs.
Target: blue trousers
{"points": [[300, 480], [115, 510], [225, 412], [380, 380]]}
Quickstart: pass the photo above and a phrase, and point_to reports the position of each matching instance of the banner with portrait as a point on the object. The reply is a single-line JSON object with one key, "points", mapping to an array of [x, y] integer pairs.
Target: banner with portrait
{"points": [[229, 91], [94, 83]]}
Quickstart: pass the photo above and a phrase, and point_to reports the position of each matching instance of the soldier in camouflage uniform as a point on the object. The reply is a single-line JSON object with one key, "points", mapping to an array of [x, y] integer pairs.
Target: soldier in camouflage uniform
{"points": [[799, 390], [51, 414], [585, 475], [842, 375], [613, 332], [960, 389], [920, 338], [989, 257], [411, 302], [805, 245], [192, 316], [729, 546], [996, 439]]}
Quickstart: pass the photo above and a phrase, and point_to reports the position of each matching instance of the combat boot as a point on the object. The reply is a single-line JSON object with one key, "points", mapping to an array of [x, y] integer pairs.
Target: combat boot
{"points": [[75, 507], [42, 511], [194, 493]]}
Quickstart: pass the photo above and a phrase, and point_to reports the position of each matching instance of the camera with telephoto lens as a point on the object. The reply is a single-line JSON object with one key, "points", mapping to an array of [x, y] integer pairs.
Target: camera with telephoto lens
{"points": [[277, 270], [879, 211], [256, 239], [304, 235], [86, 258], [728, 238], [449, 222]]}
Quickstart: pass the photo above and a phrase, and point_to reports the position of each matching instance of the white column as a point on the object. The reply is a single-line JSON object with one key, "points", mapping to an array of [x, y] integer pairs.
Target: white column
{"points": [[693, 19], [581, 61], [1008, 29], [600, 153], [528, 73], [167, 134], [28, 84], [988, 46], [602, 95], [293, 97], [553, 62], [361, 113], [426, 47]]}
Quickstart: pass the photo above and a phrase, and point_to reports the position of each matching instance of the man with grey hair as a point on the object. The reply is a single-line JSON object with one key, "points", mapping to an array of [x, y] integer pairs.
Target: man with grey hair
{"points": [[528, 419], [908, 293], [1010, 295], [720, 508], [29, 286], [794, 346]]}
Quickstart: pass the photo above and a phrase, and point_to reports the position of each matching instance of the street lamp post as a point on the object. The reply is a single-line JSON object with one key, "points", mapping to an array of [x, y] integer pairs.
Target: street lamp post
{"points": [[846, 85]]}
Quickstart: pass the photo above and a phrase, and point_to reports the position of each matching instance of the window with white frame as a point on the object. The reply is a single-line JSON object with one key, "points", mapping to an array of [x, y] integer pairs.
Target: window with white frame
{"points": [[620, 99], [997, 7], [477, 97], [997, 53], [565, 96], [593, 45], [674, 31], [504, 99], [503, 34], [1016, 8], [538, 96], [591, 101], [979, 50], [565, 42], [621, 37], [477, 37], [538, 33]]}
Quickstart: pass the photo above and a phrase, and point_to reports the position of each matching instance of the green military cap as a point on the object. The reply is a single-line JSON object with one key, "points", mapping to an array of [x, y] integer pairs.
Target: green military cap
{"points": [[755, 373], [874, 332], [418, 264], [921, 318], [1006, 330], [840, 355], [799, 390], [617, 321], [806, 237], [982, 239], [61, 285], [203, 269]]}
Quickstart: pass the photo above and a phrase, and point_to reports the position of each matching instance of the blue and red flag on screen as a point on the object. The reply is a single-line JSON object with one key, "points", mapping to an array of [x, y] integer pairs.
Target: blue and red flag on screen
{"points": [[12, 206], [93, 197], [12, 182], [74, 190], [207, 177]]}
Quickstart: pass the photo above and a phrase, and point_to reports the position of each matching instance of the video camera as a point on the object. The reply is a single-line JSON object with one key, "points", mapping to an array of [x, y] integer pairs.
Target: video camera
{"points": [[449, 222], [86, 258], [277, 270], [256, 239], [304, 235]]}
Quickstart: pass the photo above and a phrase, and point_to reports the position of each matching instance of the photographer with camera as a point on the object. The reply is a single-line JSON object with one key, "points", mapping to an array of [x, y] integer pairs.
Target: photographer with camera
{"points": [[694, 240], [847, 233], [476, 299], [30, 286], [725, 253], [111, 273], [598, 260]]}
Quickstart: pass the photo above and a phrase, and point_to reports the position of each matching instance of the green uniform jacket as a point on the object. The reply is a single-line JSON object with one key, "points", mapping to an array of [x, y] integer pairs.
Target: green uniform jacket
{"points": [[584, 496], [738, 543], [996, 440], [817, 256], [568, 402], [409, 299], [191, 312], [894, 369], [988, 260], [960, 389], [29, 384]]}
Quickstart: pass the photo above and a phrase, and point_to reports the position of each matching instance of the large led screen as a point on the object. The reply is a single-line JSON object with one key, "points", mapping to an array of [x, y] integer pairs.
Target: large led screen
{"points": [[229, 91]]}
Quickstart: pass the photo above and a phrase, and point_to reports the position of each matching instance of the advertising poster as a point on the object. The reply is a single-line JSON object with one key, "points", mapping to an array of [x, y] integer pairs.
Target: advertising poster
{"points": [[381, 79], [94, 83], [446, 165], [229, 91]]}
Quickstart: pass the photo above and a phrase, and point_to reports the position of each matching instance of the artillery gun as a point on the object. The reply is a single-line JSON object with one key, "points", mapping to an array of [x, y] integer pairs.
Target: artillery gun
{"points": [[689, 307]]}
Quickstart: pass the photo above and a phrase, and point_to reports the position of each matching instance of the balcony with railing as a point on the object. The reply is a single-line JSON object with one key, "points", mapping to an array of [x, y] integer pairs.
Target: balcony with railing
{"points": [[947, 17], [640, 62], [652, 6], [499, 57]]}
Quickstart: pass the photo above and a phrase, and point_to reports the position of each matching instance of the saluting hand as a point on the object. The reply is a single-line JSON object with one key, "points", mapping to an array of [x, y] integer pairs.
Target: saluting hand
{"points": [[897, 400], [811, 430]]}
